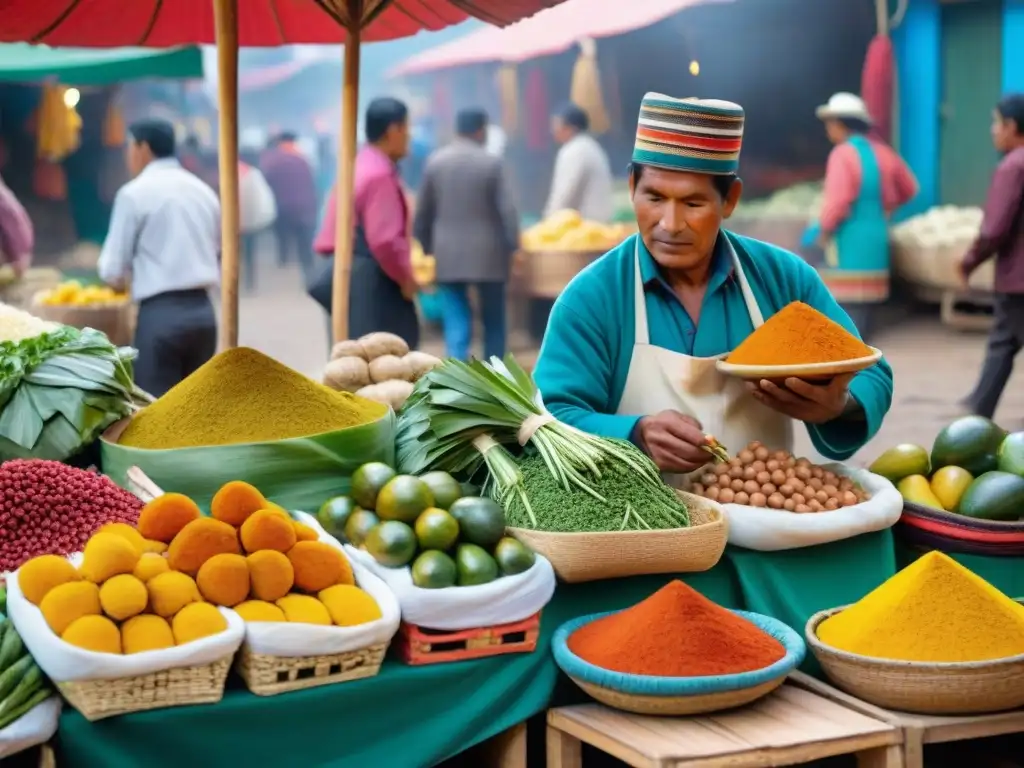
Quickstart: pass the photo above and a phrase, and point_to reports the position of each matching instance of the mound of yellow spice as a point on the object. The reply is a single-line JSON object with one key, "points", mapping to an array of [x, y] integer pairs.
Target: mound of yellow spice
{"points": [[798, 334], [243, 396], [934, 610]]}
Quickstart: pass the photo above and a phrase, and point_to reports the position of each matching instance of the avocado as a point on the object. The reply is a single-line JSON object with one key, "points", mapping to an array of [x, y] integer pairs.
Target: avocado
{"points": [[949, 485], [916, 490], [994, 496], [1011, 454], [434, 570], [481, 520], [392, 544], [902, 461], [513, 556], [971, 442], [474, 565]]}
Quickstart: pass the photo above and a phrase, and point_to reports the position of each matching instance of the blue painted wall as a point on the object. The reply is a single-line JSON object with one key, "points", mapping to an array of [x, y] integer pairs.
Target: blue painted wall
{"points": [[1013, 46]]}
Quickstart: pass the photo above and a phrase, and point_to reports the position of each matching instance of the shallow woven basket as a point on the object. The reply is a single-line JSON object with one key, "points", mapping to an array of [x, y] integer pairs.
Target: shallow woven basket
{"points": [[672, 696], [181, 686], [267, 675], [578, 557], [959, 688]]}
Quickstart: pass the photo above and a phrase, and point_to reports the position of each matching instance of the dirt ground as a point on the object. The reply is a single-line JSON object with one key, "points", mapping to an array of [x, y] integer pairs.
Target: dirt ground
{"points": [[934, 366]]}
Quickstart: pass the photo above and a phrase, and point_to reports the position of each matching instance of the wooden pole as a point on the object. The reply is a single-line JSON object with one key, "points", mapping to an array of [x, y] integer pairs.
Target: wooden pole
{"points": [[226, 20], [344, 234]]}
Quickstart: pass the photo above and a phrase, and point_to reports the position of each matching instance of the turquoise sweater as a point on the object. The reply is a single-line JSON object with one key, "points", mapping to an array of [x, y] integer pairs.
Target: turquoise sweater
{"points": [[588, 345]]}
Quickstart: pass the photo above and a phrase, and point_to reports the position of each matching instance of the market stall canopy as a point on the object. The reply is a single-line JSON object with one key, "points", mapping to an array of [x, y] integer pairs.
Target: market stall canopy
{"points": [[114, 23], [21, 62], [552, 31]]}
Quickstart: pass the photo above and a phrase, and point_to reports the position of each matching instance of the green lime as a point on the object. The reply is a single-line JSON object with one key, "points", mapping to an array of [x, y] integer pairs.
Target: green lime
{"points": [[360, 523], [481, 521], [434, 570], [404, 498], [436, 529], [367, 482], [334, 514], [391, 543], [513, 556], [474, 565], [446, 489]]}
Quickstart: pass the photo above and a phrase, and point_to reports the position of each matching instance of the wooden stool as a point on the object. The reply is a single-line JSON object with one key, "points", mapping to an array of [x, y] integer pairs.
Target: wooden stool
{"points": [[919, 730], [788, 727]]}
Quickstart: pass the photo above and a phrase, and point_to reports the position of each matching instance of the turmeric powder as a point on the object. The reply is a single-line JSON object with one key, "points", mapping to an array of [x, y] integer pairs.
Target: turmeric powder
{"points": [[934, 610], [243, 396], [798, 335]]}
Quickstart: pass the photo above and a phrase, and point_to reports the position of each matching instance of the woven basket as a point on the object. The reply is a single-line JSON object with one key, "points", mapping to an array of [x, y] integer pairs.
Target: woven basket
{"points": [[926, 528], [578, 557], [543, 274], [267, 675], [647, 695], [960, 688], [181, 686]]}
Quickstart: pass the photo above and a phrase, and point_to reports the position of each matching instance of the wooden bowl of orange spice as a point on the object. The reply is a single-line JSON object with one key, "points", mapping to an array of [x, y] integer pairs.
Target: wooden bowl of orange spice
{"points": [[677, 653], [799, 342]]}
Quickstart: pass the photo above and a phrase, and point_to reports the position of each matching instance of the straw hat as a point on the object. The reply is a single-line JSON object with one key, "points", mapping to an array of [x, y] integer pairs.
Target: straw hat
{"points": [[845, 105]]}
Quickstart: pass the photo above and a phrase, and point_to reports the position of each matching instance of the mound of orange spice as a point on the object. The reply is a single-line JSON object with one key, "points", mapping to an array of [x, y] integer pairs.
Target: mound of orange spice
{"points": [[676, 632], [798, 334]]}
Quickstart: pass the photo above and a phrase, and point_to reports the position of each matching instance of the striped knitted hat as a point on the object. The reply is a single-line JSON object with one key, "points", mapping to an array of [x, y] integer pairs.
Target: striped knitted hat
{"points": [[694, 135]]}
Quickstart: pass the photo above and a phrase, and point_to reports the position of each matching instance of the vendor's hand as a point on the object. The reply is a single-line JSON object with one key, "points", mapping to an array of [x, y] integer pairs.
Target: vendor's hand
{"points": [[674, 441], [804, 401]]}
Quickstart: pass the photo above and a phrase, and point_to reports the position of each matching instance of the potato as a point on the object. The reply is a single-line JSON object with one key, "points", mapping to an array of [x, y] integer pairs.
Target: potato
{"points": [[348, 349], [420, 363], [373, 392], [389, 368], [347, 374], [379, 343], [395, 392]]}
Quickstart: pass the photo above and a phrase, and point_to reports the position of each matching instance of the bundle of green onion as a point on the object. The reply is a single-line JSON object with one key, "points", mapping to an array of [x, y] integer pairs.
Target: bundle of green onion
{"points": [[462, 416]]}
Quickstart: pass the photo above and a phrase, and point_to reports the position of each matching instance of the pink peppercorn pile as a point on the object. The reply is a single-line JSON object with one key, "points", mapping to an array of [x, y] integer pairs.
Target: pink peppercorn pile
{"points": [[50, 508]]}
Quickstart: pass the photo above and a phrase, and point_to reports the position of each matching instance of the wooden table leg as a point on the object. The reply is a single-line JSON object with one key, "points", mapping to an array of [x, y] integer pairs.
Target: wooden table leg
{"points": [[508, 748], [47, 758], [882, 757], [913, 747], [564, 751]]}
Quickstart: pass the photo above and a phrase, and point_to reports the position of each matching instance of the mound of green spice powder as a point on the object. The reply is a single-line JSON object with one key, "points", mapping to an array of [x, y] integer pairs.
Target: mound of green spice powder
{"points": [[630, 504]]}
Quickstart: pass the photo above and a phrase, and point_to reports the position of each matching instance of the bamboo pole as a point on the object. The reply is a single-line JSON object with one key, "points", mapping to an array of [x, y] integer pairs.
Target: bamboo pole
{"points": [[226, 20], [344, 234]]}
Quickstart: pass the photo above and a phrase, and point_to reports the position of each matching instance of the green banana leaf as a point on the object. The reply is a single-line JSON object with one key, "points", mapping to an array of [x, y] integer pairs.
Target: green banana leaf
{"points": [[299, 473]]}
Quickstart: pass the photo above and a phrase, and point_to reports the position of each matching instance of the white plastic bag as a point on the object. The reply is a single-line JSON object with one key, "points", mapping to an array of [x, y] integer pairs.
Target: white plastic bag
{"points": [[36, 726], [293, 639], [770, 530], [64, 663]]}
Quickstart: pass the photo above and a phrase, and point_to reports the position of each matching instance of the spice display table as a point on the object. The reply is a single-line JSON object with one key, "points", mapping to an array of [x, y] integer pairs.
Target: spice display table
{"points": [[919, 730], [790, 726]]}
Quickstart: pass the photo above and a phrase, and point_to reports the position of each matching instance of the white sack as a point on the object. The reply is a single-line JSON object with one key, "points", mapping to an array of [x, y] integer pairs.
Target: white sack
{"points": [[36, 726], [770, 530], [293, 639], [65, 663]]}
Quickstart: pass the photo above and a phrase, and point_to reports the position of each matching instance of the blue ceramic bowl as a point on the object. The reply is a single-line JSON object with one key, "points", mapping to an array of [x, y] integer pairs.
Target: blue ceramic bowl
{"points": [[650, 685]]}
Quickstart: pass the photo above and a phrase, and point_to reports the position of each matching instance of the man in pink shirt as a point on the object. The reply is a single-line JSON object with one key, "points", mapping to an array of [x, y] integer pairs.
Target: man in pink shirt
{"points": [[17, 237], [382, 287]]}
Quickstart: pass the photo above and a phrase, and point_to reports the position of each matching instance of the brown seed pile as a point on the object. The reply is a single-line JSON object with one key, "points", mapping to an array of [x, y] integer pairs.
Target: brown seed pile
{"points": [[759, 477]]}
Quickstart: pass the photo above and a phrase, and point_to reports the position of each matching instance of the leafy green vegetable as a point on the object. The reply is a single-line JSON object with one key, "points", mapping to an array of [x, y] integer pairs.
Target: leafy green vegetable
{"points": [[60, 390]]}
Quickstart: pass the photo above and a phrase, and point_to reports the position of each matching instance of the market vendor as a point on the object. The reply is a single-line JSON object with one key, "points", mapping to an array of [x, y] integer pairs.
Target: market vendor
{"points": [[865, 181], [632, 343]]}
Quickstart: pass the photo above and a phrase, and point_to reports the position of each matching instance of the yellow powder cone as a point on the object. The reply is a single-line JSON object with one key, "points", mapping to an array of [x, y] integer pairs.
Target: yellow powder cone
{"points": [[934, 610]]}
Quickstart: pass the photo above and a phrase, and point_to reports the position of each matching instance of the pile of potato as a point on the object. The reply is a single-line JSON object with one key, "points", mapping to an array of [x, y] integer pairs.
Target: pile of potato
{"points": [[759, 477], [378, 366]]}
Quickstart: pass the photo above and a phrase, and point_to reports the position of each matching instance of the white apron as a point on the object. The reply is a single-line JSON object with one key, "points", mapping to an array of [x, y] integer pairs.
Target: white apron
{"points": [[660, 380]]}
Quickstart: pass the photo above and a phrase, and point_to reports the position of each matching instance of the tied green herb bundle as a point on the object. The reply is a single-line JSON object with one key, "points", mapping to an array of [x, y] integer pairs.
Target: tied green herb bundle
{"points": [[59, 390], [627, 505]]}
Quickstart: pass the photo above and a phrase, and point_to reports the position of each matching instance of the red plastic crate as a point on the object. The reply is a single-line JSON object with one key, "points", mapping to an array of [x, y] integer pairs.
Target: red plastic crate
{"points": [[420, 645]]}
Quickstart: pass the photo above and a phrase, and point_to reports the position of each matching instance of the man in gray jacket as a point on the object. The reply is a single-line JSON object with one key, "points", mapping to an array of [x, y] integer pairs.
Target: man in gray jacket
{"points": [[465, 218]]}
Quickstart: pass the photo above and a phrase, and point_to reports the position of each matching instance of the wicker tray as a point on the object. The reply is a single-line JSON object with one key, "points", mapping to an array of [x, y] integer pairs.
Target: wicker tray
{"points": [[675, 696], [267, 675], [961, 688], [926, 528], [543, 274], [578, 557], [181, 686]]}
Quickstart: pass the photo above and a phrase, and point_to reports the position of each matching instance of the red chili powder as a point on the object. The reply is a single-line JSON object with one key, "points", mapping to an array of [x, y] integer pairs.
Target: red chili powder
{"points": [[676, 632]]}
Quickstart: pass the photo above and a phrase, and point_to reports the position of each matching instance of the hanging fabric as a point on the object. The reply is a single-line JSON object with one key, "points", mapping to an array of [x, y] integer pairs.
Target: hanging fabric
{"points": [[49, 181], [58, 125], [585, 91], [538, 111], [878, 76], [508, 92], [114, 132]]}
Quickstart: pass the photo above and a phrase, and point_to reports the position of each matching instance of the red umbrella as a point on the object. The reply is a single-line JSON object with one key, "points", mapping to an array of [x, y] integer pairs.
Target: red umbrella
{"points": [[230, 23]]}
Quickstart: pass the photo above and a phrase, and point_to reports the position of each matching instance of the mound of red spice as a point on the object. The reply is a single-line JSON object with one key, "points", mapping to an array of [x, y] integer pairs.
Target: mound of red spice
{"points": [[49, 508], [676, 632]]}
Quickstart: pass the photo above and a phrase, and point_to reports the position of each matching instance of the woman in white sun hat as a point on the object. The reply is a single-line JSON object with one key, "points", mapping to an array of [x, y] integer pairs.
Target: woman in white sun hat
{"points": [[865, 181]]}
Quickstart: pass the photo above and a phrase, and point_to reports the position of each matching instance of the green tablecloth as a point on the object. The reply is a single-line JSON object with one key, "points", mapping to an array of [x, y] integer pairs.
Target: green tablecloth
{"points": [[409, 717]]}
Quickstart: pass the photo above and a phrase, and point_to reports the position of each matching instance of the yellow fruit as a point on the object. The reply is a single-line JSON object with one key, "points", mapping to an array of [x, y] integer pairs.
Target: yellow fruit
{"points": [[949, 484], [916, 490], [196, 621]]}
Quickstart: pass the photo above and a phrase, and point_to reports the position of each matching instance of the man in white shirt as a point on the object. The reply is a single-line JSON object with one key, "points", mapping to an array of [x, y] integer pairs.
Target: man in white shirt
{"points": [[582, 179], [164, 240]]}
